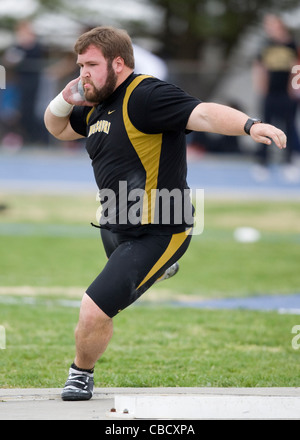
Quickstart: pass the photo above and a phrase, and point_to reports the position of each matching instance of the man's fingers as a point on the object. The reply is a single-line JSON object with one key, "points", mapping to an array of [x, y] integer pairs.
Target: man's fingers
{"points": [[265, 134], [265, 140], [72, 94], [279, 139]]}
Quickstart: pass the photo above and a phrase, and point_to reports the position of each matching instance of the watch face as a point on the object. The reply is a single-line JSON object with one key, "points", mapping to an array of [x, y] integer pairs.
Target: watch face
{"points": [[249, 124]]}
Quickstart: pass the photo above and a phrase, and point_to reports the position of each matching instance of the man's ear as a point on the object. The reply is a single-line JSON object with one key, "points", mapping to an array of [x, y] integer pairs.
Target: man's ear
{"points": [[118, 64]]}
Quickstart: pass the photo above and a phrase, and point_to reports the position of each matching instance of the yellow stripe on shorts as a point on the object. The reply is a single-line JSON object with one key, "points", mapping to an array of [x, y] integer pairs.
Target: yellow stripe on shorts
{"points": [[176, 241]]}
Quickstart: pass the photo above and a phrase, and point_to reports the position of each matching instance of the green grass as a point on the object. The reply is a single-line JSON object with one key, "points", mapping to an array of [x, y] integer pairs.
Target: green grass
{"points": [[153, 347], [47, 241], [214, 266], [50, 261]]}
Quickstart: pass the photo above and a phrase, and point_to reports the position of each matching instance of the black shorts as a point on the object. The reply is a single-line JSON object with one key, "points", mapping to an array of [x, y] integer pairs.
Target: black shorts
{"points": [[134, 264]]}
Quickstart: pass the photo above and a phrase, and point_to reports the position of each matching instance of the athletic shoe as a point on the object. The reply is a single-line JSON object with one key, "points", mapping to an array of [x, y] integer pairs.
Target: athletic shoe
{"points": [[170, 272], [79, 386]]}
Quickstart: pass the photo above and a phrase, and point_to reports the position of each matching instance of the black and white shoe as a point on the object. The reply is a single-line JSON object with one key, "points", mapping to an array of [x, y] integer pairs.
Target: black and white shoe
{"points": [[79, 386], [170, 272]]}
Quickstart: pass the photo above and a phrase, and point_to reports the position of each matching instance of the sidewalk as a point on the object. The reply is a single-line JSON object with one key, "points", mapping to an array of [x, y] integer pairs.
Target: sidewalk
{"points": [[144, 403]]}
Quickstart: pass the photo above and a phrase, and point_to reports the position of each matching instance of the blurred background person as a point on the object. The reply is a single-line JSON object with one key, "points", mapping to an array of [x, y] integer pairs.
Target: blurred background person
{"points": [[25, 59], [272, 80], [10, 132]]}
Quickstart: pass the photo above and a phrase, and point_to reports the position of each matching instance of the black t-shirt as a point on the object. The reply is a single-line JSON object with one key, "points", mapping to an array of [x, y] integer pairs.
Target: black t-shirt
{"points": [[278, 59], [136, 141]]}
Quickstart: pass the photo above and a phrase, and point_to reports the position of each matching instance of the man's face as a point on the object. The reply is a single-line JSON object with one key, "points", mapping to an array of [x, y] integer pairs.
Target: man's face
{"points": [[97, 74]]}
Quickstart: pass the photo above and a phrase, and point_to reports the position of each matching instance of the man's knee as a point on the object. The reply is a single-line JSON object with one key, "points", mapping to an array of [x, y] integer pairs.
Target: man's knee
{"points": [[91, 316]]}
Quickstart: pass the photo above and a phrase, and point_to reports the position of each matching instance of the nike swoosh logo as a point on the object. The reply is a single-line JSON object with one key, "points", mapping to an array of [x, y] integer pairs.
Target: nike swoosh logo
{"points": [[111, 111]]}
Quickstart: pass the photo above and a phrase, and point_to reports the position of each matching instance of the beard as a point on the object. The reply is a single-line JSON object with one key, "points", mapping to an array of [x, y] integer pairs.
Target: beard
{"points": [[96, 96]]}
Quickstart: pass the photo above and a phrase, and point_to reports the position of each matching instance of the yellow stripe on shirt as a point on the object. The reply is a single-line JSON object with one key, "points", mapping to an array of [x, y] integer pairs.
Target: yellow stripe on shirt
{"points": [[148, 148]]}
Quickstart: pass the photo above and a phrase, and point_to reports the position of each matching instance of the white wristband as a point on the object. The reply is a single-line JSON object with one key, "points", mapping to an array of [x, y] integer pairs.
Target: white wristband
{"points": [[60, 107]]}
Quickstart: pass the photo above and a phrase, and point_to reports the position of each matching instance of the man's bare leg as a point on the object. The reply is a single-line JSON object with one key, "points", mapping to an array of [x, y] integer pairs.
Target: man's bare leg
{"points": [[92, 335]]}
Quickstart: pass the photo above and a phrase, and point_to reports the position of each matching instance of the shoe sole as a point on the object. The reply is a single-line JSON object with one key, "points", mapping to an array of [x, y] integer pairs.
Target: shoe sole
{"points": [[175, 269], [71, 396]]}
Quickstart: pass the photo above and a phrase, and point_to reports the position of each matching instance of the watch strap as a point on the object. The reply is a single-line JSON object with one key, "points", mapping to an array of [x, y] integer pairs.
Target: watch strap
{"points": [[249, 124]]}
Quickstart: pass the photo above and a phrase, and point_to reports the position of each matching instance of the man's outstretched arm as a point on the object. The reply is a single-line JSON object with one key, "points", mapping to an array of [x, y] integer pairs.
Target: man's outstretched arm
{"points": [[217, 118]]}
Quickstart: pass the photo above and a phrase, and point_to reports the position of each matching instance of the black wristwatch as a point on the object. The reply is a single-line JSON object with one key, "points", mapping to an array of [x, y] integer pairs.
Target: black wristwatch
{"points": [[249, 124]]}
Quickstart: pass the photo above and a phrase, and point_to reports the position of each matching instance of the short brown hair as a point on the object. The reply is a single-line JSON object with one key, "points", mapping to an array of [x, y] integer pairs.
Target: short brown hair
{"points": [[111, 41]]}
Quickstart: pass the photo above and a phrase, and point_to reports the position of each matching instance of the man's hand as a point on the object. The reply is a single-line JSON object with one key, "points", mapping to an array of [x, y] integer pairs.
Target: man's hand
{"points": [[72, 95], [57, 114], [265, 134]]}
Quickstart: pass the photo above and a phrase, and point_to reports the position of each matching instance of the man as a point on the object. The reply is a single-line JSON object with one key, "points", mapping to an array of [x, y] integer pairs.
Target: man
{"points": [[272, 79], [135, 128]]}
